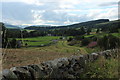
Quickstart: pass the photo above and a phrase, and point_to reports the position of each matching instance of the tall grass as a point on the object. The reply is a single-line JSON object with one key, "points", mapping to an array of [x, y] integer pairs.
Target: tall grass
{"points": [[102, 68]]}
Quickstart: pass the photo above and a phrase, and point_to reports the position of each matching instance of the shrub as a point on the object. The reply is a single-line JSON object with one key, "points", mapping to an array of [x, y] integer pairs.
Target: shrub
{"points": [[79, 37], [109, 42], [101, 68], [94, 38], [92, 44], [13, 43], [85, 42], [71, 43], [70, 39]]}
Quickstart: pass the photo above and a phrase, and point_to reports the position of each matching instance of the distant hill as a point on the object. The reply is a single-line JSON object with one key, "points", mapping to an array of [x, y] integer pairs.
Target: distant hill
{"points": [[9, 26], [85, 24], [114, 24], [89, 23], [42, 25]]}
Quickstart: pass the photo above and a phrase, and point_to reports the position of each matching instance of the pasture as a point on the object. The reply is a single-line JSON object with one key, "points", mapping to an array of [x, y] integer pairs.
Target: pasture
{"points": [[38, 41], [36, 55]]}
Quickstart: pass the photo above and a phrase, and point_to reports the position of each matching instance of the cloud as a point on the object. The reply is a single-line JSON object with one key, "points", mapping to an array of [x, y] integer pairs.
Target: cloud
{"points": [[36, 2], [111, 13], [57, 12], [109, 4], [119, 10], [0, 12], [58, 17], [16, 11]]}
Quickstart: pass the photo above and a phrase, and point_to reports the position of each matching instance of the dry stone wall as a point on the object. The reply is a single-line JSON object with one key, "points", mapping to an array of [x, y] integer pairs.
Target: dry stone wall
{"points": [[58, 68]]}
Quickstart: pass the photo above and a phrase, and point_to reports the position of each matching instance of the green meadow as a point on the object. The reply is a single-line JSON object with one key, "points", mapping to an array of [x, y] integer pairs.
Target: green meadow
{"points": [[38, 41]]}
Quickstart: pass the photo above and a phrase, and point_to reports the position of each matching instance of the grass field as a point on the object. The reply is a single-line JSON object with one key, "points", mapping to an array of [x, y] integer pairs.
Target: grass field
{"points": [[36, 55], [116, 34], [38, 41], [29, 30], [61, 46], [22, 57]]}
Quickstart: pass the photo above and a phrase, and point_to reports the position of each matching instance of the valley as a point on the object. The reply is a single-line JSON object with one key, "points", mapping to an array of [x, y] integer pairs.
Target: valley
{"points": [[35, 45]]}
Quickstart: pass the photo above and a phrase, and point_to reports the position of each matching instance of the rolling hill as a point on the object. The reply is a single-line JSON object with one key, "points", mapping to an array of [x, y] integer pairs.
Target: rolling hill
{"points": [[11, 26], [85, 24], [114, 24]]}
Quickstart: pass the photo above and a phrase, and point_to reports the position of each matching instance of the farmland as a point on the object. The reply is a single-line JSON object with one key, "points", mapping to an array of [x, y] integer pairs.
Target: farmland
{"points": [[59, 39], [47, 40], [36, 55], [34, 45], [38, 41]]}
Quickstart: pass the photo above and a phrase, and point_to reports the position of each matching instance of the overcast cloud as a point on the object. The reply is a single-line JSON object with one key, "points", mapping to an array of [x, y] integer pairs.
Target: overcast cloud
{"points": [[56, 12]]}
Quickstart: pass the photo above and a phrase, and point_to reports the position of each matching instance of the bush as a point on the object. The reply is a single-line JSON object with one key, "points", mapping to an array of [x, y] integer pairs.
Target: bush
{"points": [[71, 43], [94, 38], [13, 43], [85, 42], [79, 37], [109, 42], [70, 39], [102, 68]]}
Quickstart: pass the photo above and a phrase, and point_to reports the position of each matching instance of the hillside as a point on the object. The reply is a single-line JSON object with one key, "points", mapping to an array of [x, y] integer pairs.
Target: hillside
{"points": [[109, 24], [9, 26], [101, 23], [86, 24]]}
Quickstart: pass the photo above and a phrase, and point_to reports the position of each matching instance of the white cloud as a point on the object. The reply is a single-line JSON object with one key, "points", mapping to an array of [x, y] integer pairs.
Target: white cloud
{"points": [[36, 2], [58, 12], [13, 21], [111, 14], [64, 6], [109, 4]]}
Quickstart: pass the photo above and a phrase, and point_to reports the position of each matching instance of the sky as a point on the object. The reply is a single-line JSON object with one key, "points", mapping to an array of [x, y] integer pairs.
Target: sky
{"points": [[56, 12]]}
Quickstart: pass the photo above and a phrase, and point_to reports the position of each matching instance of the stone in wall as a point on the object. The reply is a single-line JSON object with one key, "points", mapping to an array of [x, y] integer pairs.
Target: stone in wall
{"points": [[22, 73], [9, 75], [37, 71]]}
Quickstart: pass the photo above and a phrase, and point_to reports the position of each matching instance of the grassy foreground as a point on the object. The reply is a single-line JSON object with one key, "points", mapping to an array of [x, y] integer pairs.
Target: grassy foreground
{"points": [[102, 68]]}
